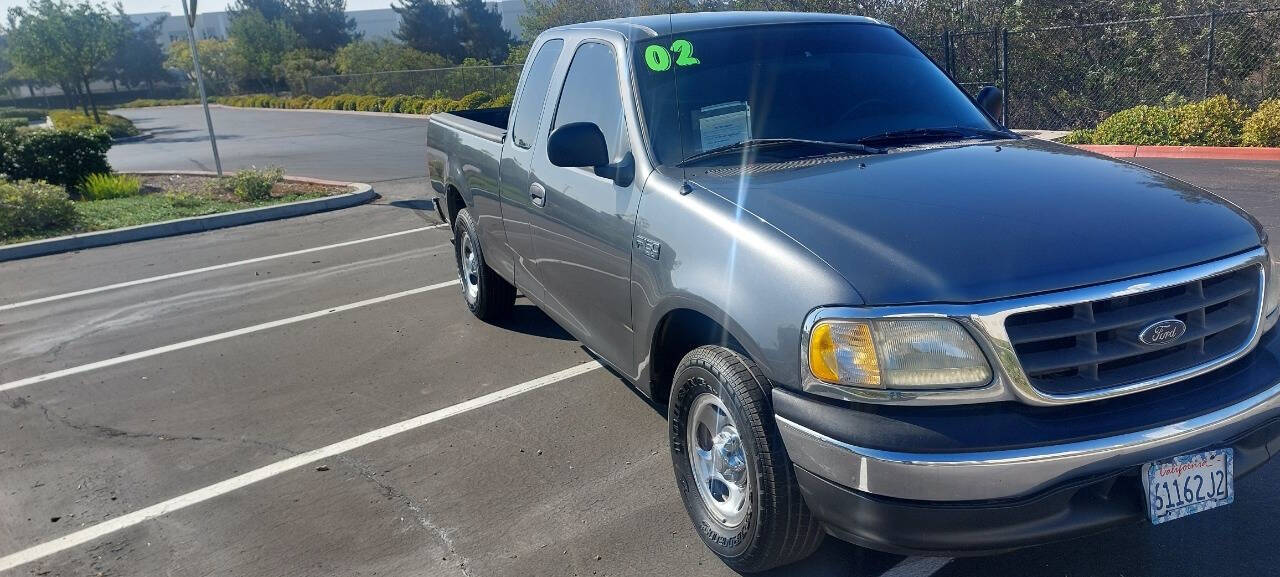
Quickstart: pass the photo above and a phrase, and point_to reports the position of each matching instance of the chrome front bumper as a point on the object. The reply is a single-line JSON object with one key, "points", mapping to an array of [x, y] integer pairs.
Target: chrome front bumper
{"points": [[1014, 473]]}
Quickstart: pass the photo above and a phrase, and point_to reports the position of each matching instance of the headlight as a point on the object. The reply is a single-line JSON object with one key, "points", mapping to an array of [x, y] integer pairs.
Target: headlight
{"points": [[1272, 298], [909, 354]]}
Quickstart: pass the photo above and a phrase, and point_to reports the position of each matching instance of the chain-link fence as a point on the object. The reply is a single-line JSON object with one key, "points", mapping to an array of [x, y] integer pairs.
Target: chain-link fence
{"points": [[434, 83], [1061, 77], [1066, 77]]}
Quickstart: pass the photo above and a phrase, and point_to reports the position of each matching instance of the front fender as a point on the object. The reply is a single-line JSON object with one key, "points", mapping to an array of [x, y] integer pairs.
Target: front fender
{"points": [[729, 265]]}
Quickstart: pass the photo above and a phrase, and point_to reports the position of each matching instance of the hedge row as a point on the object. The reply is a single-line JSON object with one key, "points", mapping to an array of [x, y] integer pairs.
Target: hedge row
{"points": [[61, 157], [28, 207], [1217, 121], [402, 103], [22, 113], [116, 126]]}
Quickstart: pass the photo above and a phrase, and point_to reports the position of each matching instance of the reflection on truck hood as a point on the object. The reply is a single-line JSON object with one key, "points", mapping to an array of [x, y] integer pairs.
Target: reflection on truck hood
{"points": [[985, 221]]}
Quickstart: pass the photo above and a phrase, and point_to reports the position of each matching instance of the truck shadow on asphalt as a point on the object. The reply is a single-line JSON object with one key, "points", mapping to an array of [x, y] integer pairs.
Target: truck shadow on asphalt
{"points": [[530, 320]]}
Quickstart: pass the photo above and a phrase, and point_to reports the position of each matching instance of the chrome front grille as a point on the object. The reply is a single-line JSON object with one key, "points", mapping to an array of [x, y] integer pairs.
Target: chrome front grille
{"points": [[1090, 346]]}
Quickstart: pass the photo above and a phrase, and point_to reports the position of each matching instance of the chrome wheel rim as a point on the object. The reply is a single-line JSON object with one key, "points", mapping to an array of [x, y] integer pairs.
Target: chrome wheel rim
{"points": [[718, 460], [469, 267]]}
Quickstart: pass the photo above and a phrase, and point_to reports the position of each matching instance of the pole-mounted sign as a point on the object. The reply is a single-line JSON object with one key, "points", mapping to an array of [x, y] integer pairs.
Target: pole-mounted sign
{"points": [[189, 8]]}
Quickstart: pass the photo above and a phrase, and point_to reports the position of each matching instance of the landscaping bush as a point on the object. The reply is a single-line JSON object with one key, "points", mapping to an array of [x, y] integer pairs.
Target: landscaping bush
{"points": [[149, 102], [502, 100], [403, 104], [28, 207], [1143, 125], [23, 113], [116, 126], [254, 183], [477, 99], [104, 186], [1083, 136], [11, 126], [61, 157], [1216, 121], [1263, 127]]}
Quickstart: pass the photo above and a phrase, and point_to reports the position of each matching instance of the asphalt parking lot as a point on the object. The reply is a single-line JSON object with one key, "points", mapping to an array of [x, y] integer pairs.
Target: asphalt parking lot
{"points": [[311, 397]]}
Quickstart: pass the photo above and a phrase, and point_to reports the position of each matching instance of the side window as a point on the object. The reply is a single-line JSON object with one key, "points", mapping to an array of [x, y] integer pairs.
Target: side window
{"points": [[524, 125], [590, 94]]}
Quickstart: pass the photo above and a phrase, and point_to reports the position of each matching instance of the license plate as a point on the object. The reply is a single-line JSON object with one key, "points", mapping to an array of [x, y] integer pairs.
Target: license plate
{"points": [[1188, 484]]}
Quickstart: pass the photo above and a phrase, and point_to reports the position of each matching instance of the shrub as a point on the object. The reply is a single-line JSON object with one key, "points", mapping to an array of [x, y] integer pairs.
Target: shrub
{"points": [[149, 102], [1143, 125], [116, 126], [28, 207], [1216, 121], [254, 183], [61, 157], [1263, 127], [476, 99], [500, 101], [1082, 136], [23, 113], [104, 186], [11, 125]]}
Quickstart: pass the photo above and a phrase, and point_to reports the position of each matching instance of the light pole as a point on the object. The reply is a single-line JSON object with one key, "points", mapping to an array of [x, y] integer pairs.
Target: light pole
{"points": [[190, 12]]}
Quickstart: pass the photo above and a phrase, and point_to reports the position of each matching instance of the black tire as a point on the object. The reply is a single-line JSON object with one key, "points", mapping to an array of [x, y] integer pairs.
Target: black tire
{"points": [[488, 295], [778, 528]]}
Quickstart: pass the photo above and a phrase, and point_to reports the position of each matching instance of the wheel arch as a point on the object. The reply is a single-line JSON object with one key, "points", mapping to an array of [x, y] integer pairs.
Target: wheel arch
{"points": [[684, 327]]}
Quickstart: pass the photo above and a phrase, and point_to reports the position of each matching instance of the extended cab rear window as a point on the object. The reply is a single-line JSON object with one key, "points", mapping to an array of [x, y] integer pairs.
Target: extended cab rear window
{"points": [[524, 125]]}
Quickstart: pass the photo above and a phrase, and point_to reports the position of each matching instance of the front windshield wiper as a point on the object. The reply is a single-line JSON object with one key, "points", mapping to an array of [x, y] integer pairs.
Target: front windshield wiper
{"points": [[934, 135], [759, 142]]}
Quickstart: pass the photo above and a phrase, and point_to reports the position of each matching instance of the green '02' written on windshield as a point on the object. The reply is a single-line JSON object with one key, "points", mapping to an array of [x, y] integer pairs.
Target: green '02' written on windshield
{"points": [[659, 57]]}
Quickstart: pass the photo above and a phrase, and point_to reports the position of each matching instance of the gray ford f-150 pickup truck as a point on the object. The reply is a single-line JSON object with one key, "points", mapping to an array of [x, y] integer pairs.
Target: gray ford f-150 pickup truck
{"points": [[870, 310]]}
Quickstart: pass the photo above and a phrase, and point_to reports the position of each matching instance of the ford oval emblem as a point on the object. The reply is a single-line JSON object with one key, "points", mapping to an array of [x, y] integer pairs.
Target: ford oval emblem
{"points": [[1162, 332]]}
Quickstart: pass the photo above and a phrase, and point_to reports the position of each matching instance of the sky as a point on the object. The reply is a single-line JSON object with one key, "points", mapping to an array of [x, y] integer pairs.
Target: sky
{"points": [[174, 7]]}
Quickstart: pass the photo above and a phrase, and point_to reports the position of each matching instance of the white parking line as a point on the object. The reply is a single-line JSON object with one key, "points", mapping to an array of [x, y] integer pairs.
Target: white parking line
{"points": [[217, 337], [183, 501], [180, 274], [917, 567]]}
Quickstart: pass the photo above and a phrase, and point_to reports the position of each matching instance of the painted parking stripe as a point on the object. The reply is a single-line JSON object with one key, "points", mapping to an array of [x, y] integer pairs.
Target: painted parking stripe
{"points": [[917, 567], [217, 337], [194, 271], [183, 501]]}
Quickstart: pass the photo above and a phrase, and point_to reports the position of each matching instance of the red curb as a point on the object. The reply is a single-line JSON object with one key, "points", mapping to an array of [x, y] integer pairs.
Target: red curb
{"points": [[1203, 152]]}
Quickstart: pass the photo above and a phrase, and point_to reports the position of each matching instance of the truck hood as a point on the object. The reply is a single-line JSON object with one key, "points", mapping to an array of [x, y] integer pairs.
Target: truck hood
{"points": [[975, 222]]}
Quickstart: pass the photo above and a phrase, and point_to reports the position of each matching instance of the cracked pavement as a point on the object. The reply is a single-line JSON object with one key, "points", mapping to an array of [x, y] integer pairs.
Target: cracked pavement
{"points": [[571, 479]]}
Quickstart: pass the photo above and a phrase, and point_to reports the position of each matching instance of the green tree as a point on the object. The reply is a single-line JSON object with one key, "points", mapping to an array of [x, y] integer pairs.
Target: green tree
{"points": [[479, 31], [138, 59], [543, 14], [322, 24], [299, 65], [269, 9], [259, 46], [382, 55], [64, 42], [428, 27], [217, 61]]}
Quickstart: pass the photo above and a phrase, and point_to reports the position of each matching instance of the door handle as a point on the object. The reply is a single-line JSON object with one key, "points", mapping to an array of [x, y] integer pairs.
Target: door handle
{"points": [[538, 194]]}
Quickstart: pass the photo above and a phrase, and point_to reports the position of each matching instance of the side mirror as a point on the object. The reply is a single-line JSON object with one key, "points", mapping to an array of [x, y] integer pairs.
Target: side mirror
{"points": [[578, 144], [991, 99]]}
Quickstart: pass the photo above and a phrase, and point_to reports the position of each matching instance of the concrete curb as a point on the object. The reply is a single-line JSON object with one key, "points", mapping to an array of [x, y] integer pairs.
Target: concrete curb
{"points": [[1201, 152], [363, 193]]}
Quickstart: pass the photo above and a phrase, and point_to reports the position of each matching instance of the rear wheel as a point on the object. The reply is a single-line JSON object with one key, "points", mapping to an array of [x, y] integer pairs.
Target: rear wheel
{"points": [[488, 295], [731, 468]]}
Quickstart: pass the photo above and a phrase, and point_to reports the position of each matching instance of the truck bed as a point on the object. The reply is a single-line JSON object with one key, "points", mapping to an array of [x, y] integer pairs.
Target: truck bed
{"points": [[487, 123]]}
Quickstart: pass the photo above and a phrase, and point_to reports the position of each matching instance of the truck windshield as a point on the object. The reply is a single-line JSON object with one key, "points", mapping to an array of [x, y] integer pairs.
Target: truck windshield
{"points": [[833, 82]]}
